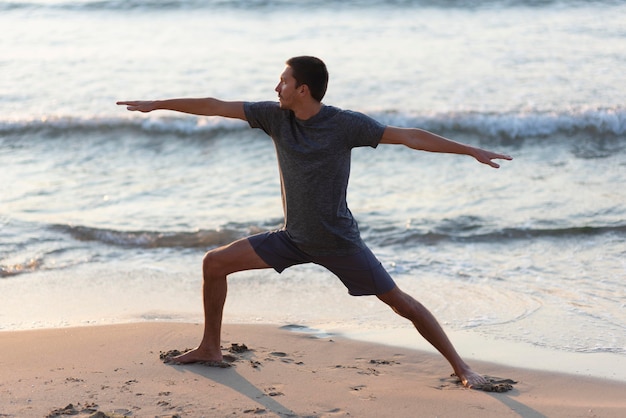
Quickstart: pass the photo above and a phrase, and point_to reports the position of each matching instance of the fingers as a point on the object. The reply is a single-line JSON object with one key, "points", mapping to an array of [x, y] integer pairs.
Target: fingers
{"points": [[134, 105], [488, 158], [500, 157], [129, 105], [496, 156], [490, 163]]}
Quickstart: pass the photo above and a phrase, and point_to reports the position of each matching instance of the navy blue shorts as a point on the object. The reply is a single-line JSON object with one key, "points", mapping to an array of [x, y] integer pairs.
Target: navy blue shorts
{"points": [[361, 273]]}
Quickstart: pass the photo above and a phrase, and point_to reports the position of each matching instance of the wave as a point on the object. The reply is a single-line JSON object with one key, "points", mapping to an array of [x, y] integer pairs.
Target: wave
{"points": [[597, 122], [275, 5], [154, 239], [71, 125], [27, 266], [64, 254], [438, 235], [389, 237], [527, 124]]}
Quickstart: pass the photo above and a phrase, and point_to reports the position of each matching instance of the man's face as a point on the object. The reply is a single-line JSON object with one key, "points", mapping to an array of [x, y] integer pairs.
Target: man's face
{"points": [[286, 89]]}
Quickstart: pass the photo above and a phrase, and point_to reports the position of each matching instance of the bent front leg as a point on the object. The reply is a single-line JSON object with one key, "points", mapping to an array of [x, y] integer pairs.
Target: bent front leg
{"points": [[216, 266]]}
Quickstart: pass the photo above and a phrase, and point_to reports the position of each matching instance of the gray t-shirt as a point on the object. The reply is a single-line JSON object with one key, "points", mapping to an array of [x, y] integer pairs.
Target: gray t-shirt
{"points": [[314, 162]]}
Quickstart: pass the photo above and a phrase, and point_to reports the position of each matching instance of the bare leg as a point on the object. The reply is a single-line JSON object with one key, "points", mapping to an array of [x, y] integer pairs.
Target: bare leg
{"points": [[406, 306], [216, 266]]}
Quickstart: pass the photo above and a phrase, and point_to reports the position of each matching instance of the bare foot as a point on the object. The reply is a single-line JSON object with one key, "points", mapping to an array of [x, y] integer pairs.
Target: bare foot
{"points": [[195, 356], [473, 380], [470, 379]]}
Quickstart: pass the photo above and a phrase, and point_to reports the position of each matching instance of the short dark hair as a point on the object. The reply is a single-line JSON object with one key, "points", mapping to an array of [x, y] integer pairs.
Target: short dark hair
{"points": [[312, 72]]}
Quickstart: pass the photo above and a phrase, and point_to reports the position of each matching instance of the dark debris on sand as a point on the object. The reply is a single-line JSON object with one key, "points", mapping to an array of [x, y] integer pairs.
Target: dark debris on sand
{"points": [[238, 348], [70, 409], [502, 385], [166, 356], [89, 410], [495, 384]]}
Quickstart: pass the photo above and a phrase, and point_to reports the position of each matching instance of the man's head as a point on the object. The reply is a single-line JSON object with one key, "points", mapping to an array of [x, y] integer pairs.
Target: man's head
{"points": [[312, 72]]}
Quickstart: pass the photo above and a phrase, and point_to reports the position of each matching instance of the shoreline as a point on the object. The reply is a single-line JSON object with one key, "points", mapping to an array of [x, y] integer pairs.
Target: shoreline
{"points": [[473, 347], [287, 372]]}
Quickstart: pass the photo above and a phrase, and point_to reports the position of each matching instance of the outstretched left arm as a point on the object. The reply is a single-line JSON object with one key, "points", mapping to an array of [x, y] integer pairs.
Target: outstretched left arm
{"points": [[422, 140]]}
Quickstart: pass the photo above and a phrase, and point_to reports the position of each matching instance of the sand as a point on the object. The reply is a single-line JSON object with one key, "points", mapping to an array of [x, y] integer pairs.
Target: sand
{"points": [[116, 371]]}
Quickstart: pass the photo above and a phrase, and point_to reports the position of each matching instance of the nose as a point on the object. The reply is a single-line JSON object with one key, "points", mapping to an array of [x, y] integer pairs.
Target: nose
{"points": [[277, 88]]}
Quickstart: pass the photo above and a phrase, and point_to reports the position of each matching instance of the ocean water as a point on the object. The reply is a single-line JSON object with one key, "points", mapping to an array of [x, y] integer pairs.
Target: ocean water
{"points": [[105, 214]]}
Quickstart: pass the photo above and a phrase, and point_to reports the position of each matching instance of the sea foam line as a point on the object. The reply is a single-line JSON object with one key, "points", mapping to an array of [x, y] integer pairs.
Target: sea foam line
{"points": [[528, 124], [270, 5]]}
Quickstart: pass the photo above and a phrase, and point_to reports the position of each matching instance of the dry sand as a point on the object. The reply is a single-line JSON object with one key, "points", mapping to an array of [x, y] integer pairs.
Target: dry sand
{"points": [[115, 371]]}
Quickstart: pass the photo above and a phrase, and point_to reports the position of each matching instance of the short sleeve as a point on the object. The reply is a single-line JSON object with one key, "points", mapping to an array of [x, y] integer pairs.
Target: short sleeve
{"points": [[262, 115], [363, 130]]}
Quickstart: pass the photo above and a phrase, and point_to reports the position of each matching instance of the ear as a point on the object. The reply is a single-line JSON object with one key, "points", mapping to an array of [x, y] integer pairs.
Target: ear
{"points": [[304, 90]]}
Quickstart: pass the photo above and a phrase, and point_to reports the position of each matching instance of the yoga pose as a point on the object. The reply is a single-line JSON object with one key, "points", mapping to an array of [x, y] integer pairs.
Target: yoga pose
{"points": [[313, 144]]}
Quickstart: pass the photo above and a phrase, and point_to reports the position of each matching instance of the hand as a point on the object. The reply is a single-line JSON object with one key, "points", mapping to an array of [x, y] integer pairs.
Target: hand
{"points": [[486, 157], [139, 105]]}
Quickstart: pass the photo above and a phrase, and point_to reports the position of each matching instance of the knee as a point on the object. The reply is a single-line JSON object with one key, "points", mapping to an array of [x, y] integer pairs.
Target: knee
{"points": [[212, 265], [401, 303], [403, 309]]}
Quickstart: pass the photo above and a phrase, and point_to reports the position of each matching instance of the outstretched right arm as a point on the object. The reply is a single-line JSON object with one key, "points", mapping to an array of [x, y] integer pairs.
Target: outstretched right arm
{"points": [[204, 107]]}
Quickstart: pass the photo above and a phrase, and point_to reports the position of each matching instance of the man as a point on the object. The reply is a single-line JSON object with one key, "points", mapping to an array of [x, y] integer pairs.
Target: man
{"points": [[313, 143]]}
